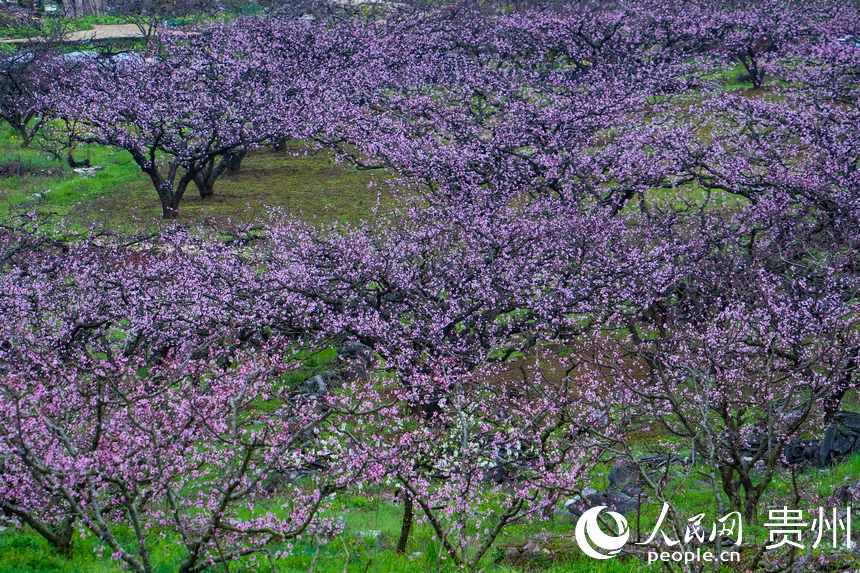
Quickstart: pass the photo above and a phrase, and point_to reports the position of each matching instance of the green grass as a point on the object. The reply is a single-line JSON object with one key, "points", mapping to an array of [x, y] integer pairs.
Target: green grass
{"points": [[310, 187], [732, 78], [121, 198], [367, 545], [372, 523], [691, 196], [69, 24]]}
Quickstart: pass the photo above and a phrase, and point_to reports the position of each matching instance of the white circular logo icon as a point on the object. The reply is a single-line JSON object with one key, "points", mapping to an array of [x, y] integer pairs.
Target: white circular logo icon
{"points": [[590, 537]]}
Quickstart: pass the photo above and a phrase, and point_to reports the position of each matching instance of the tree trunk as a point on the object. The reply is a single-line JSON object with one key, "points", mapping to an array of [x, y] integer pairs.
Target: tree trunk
{"points": [[406, 525], [169, 208], [206, 177], [756, 74], [234, 160], [205, 185], [751, 506], [79, 8], [171, 197], [74, 163], [34, 6], [26, 138], [833, 401], [64, 533], [58, 535], [170, 192]]}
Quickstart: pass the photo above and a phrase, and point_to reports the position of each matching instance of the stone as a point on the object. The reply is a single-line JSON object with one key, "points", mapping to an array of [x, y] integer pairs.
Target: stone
{"points": [[614, 500], [626, 490], [845, 495], [800, 451], [356, 359], [77, 57], [356, 350], [626, 477], [277, 481], [841, 438], [853, 41], [369, 533], [373, 536], [535, 552], [319, 384], [88, 171], [315, 385]]}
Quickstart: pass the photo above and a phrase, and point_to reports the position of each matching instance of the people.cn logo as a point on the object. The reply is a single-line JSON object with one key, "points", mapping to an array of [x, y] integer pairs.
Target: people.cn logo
{"points": [[591, 538]]}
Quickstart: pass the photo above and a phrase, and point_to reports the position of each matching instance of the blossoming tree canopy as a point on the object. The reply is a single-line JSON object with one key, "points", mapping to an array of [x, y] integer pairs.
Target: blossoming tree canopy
{"points": [[591, 235]]}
